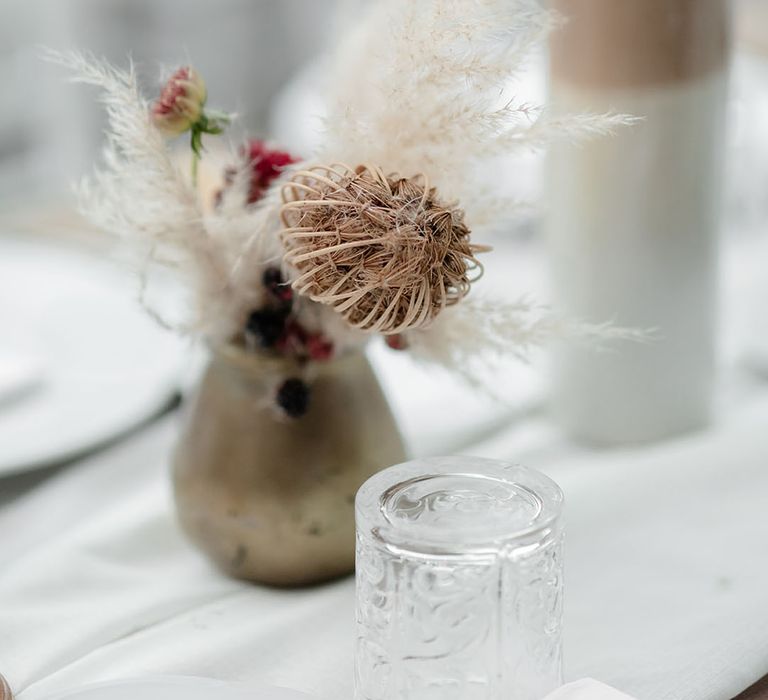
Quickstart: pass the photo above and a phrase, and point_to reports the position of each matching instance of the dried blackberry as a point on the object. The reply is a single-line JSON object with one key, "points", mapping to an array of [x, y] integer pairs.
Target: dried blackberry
{"points": [[266, 326], [293, 397], [279, 289]]}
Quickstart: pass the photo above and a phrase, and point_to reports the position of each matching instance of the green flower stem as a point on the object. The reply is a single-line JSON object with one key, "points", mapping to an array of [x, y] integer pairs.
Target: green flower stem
{"points": [[205, 125], [196, 143], [195, 161]]}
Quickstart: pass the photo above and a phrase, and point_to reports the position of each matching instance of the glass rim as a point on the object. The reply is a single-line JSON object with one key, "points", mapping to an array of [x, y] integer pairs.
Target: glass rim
{"points": [[535, 488]]}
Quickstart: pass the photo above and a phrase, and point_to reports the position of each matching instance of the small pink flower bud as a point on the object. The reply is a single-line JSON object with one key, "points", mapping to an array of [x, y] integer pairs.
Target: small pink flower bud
{"points": [[180, 105]]}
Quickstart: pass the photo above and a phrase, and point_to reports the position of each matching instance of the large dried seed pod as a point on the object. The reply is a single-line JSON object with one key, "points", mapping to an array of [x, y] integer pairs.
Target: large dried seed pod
{"points": [[382, 250]]}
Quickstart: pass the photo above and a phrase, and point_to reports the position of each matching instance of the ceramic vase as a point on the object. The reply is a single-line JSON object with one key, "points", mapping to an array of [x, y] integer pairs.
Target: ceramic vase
{"points": [[271, 499]]}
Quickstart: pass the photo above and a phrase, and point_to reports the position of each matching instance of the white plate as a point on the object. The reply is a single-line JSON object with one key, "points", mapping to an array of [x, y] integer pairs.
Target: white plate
{"points": [[103, 364], [177, 688]]}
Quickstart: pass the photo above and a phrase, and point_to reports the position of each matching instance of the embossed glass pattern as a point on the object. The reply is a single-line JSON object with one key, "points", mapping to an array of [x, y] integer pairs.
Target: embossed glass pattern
{"points": [[459, 582]]}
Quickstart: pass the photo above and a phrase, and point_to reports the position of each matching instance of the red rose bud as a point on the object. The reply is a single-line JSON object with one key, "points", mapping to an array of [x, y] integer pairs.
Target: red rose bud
{"points": [[266, 165], [396, 341], [319, 347], [180, 105]]}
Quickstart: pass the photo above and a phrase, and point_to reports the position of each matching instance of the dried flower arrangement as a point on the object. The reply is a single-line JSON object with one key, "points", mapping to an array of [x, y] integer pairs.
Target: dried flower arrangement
{"points": [[374, 234]]}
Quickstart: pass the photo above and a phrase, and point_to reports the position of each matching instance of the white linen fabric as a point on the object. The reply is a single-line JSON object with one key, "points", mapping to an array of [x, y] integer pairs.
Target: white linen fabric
{"points": [[666, 573], [178, 688], [587, 689]]}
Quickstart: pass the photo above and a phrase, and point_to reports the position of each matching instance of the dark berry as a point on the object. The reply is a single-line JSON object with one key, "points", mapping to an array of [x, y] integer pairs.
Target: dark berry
{"points": [[277, 286], [266, 326], [272, 278], [293, 397]]}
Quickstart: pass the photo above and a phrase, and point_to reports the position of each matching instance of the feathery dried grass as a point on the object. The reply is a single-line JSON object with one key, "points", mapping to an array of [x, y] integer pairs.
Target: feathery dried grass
{"points": [[140, 194], [473, 338], [422, 87]]}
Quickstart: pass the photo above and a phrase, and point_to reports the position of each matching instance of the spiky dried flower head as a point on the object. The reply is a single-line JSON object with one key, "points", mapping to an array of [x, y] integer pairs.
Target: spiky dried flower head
{"points": [[382, 250]]}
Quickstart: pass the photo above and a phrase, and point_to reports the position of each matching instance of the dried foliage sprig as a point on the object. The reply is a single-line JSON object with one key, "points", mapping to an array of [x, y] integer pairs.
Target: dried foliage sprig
{"points": [[474, 338], [140, 194]]}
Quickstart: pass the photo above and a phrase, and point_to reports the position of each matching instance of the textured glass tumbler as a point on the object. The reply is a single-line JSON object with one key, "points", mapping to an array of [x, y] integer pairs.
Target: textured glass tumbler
{"points": [[459, 582]]}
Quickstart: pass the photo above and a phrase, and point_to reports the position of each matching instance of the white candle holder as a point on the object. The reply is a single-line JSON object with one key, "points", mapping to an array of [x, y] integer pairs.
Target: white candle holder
{"points": [[633, 219], [459, 582]]}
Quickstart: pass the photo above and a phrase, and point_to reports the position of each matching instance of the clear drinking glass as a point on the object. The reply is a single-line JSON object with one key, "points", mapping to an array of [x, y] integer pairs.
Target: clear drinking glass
{"points": [[459, 582]]}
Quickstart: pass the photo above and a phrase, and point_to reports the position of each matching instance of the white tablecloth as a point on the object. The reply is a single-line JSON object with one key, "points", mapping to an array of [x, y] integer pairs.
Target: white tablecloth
{"points": [[666, 587]]}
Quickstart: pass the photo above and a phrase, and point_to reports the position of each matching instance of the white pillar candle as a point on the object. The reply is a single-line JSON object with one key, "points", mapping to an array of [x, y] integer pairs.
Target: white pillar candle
{"points": [[633, 218]]}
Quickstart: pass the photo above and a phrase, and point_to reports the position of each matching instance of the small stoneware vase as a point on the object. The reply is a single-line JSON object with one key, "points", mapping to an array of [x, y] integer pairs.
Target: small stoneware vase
{"points": [[270, 499]]}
